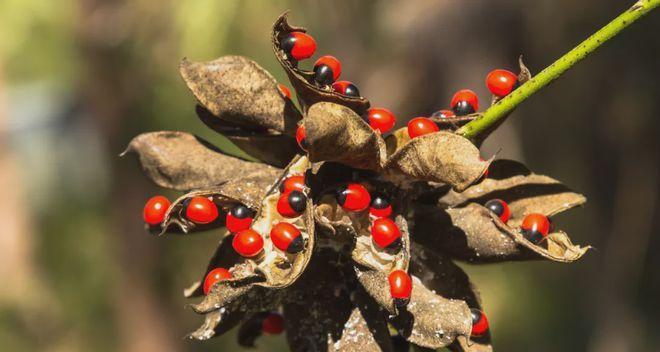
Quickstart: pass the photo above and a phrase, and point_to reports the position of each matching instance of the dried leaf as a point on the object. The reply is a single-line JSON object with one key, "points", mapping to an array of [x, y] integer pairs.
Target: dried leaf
{"points": [[524, 192], [275, 149], [475, 234], [182, 161], [336, 133], [439, 157], [303, 81], [238, 90]]}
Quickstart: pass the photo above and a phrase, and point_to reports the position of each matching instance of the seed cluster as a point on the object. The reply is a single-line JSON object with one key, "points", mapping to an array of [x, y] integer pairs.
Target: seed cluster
{"points": [[349, 225]]}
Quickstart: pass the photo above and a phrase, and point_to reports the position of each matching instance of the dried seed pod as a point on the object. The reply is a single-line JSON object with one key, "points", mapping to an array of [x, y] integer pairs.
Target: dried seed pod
{"points": [[238, 90], [439, 157], [182, 161], [303, 81], [475, 234], [524, 191], [336, 133], [247, 190]]}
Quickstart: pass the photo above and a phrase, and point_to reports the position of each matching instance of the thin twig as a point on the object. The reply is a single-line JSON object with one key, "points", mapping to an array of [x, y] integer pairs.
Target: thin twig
{"points": [[500, 109]]}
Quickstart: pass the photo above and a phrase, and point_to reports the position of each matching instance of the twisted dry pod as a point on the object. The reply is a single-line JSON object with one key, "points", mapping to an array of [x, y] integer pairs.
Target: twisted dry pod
{"points": [[337, 289]]}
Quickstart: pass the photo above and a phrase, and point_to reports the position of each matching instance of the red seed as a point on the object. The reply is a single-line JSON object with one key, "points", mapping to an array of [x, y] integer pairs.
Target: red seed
{"points": [[380, 206], [327, 69], [155, 209], [214, 276], [400, 286], [201, 210], [479, 323], [464, 102], [291, 204], [385, 232], [286, 237], [381, 119], [500, 208], [284, 90], [346, 88], [299, 45], [353, 197], [536, 223], [248, 243], [501, 82], [273, 324], [420, 126], [301, 136], [238, 219], [293, 183]]}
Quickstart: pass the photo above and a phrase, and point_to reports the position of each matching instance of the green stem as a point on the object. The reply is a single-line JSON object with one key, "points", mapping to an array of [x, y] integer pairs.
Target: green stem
{"points": [[503, 107]]}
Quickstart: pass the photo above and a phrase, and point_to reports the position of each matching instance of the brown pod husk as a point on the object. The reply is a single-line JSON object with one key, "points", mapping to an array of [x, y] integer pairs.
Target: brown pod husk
{"points": [[281, 269], [439, 157], [428, 320], [275, 149], [336, 133], [216, 323], [223, 257], [238, 90], [248, 190], [322, 317], [475, 234], [524, 192], [303, 81], [397, 139], [183, 161], [442, 276], [374, 263]]}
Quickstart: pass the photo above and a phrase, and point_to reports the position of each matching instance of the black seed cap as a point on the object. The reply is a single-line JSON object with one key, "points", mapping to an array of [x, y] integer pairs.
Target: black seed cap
{"points": [[401, 302], [380, 201], [298, 201], [241, 212], [323, 75], [296, 245], [496, 206], [462, 108], [341, 195], [532, 235], [476, 315], [352, 91], [287, 43]]}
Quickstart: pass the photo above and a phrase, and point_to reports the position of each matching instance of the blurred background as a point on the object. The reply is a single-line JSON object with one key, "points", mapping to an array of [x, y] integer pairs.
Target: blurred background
{"points": [[80, 78]]}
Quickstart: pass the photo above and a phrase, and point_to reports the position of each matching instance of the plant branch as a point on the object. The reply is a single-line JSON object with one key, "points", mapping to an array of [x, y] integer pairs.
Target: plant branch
{"points": [[502, 108]]}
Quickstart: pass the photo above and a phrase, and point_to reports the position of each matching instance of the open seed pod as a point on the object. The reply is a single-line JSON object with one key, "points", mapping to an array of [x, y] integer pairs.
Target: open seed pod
{"points": [[248, 190], [460, 225], [303, 81]]}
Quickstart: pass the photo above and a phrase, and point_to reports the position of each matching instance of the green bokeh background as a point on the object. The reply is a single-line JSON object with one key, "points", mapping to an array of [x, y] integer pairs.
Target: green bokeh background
{"points": [[79, 78]]}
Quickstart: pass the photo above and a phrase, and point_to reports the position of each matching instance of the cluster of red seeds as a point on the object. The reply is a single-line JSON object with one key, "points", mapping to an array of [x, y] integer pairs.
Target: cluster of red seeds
{"points": [[385, 233], [327, 70]]}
